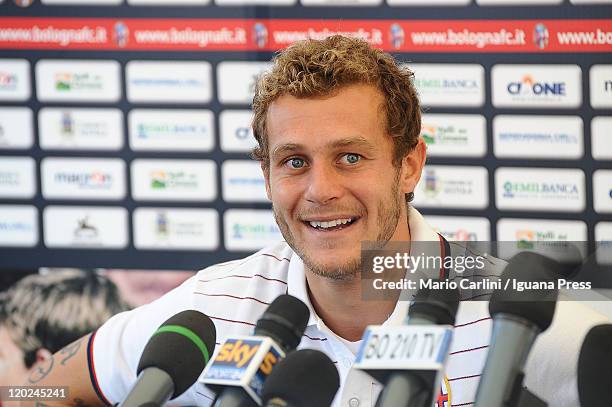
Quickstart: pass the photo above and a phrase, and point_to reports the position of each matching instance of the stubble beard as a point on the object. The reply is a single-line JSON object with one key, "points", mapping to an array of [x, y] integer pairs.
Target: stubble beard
{"points": [[388, 218]]}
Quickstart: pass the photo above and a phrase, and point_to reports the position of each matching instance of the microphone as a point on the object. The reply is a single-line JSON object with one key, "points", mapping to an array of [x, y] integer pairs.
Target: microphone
{"points": [[518, 318], [595, 368], [293, 384], [173, 359], [241, 366], [409, 359]]}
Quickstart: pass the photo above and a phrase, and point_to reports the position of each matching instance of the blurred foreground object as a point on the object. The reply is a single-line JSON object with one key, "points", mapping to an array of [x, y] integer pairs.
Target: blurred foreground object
{"points": [[139, 287], [42, 313]]}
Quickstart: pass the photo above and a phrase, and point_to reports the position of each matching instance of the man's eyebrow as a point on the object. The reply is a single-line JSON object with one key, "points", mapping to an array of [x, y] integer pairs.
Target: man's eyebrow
{"points": [[353, 142], [283, 149]]}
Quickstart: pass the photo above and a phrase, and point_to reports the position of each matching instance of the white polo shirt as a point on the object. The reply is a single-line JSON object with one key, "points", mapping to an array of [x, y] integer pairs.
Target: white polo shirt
{"points": [[236, 293]]}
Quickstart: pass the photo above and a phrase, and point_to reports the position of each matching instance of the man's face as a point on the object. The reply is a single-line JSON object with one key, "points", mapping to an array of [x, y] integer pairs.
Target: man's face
{"points": [[331, 178], [12, 367]]}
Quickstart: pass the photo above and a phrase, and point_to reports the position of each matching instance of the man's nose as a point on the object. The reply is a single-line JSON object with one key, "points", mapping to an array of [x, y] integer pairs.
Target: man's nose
{"points": [[323, 184]]}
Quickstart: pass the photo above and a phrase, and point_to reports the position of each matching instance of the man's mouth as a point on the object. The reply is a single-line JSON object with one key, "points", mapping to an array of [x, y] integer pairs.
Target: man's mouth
{"points": [[333, 224]]}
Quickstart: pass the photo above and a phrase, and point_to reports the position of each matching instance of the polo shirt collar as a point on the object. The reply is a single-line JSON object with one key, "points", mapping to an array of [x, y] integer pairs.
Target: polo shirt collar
{"points": [[296, 282], [296, 285]]}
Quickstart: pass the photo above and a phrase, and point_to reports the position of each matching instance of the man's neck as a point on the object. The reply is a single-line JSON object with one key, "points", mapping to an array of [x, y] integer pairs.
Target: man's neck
{"points": [[340, 303], [341, 306]]}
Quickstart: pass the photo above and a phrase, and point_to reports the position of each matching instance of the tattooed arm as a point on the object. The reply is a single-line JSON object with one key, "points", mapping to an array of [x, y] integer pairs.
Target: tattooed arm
{"points": [[69, 367]]}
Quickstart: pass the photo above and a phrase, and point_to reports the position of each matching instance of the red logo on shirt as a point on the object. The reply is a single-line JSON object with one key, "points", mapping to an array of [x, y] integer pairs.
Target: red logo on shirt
{"points": [[444, 398]]}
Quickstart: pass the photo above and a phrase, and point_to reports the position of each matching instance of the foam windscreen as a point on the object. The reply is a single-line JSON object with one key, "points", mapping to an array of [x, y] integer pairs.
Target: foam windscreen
{"points": [[305, 378], [284, 321], [181, 347]]}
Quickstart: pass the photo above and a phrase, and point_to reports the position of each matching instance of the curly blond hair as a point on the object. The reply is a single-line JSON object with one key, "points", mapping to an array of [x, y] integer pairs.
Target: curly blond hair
{"points": [[319, 68]]}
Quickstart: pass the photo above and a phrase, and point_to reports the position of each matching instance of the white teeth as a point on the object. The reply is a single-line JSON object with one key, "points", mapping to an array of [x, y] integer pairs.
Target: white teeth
{"points": [[329, 224]]}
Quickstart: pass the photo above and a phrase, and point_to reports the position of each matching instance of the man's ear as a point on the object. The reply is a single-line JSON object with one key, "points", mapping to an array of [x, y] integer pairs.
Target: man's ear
{"points": [[265, 168], [412, 166]]}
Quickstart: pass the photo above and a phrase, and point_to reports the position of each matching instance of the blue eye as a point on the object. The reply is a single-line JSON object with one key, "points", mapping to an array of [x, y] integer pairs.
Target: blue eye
{"points": [[352, 158], [295, 163]]}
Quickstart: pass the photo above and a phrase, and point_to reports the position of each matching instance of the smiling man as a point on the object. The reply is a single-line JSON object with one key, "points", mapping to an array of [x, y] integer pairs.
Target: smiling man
{"points": [[333, 182], [337, 124]]}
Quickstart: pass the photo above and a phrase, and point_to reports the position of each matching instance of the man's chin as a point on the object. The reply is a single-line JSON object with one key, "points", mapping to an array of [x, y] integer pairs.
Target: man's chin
{"points": [[334, 269]]}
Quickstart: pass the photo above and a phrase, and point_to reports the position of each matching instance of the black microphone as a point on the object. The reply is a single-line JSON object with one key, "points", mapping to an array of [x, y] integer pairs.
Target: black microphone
{"points": [[305, 378], [595, 368], [242, 364], [173, 359], [407, 385], [518, 318]]}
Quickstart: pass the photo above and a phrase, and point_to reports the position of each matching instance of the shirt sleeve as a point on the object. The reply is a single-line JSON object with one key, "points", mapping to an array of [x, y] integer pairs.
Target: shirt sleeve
{"points": [[552, 366], [118, 344]]}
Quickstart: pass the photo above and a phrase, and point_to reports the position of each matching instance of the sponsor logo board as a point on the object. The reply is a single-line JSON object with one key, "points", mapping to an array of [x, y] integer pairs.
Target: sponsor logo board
{"points": [[250, 229], [461, 228], [540, 189], [255, 2], [16, 130], [243, 181], [171, 130], [538, 136], [344, 2], [80, 129], [17, 177], [454, 135], [600, 84], [543, 86], [452, 36], [516, 2], [602, 191], [77, 227], [603, 237], [18, 226], [78, 81], [176, 229], [236, 132], [428, 2], [460, 85], [15, 80], [168, 2], [540, 230], [236, 81], [174, 180], [555, 238], [445, 186], [82, 2], [169, 81], [601, 138], [83, 178]]}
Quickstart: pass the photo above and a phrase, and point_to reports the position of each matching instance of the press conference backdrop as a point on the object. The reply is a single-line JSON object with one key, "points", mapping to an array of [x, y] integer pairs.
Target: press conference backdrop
{"points": [[124, 126]]}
